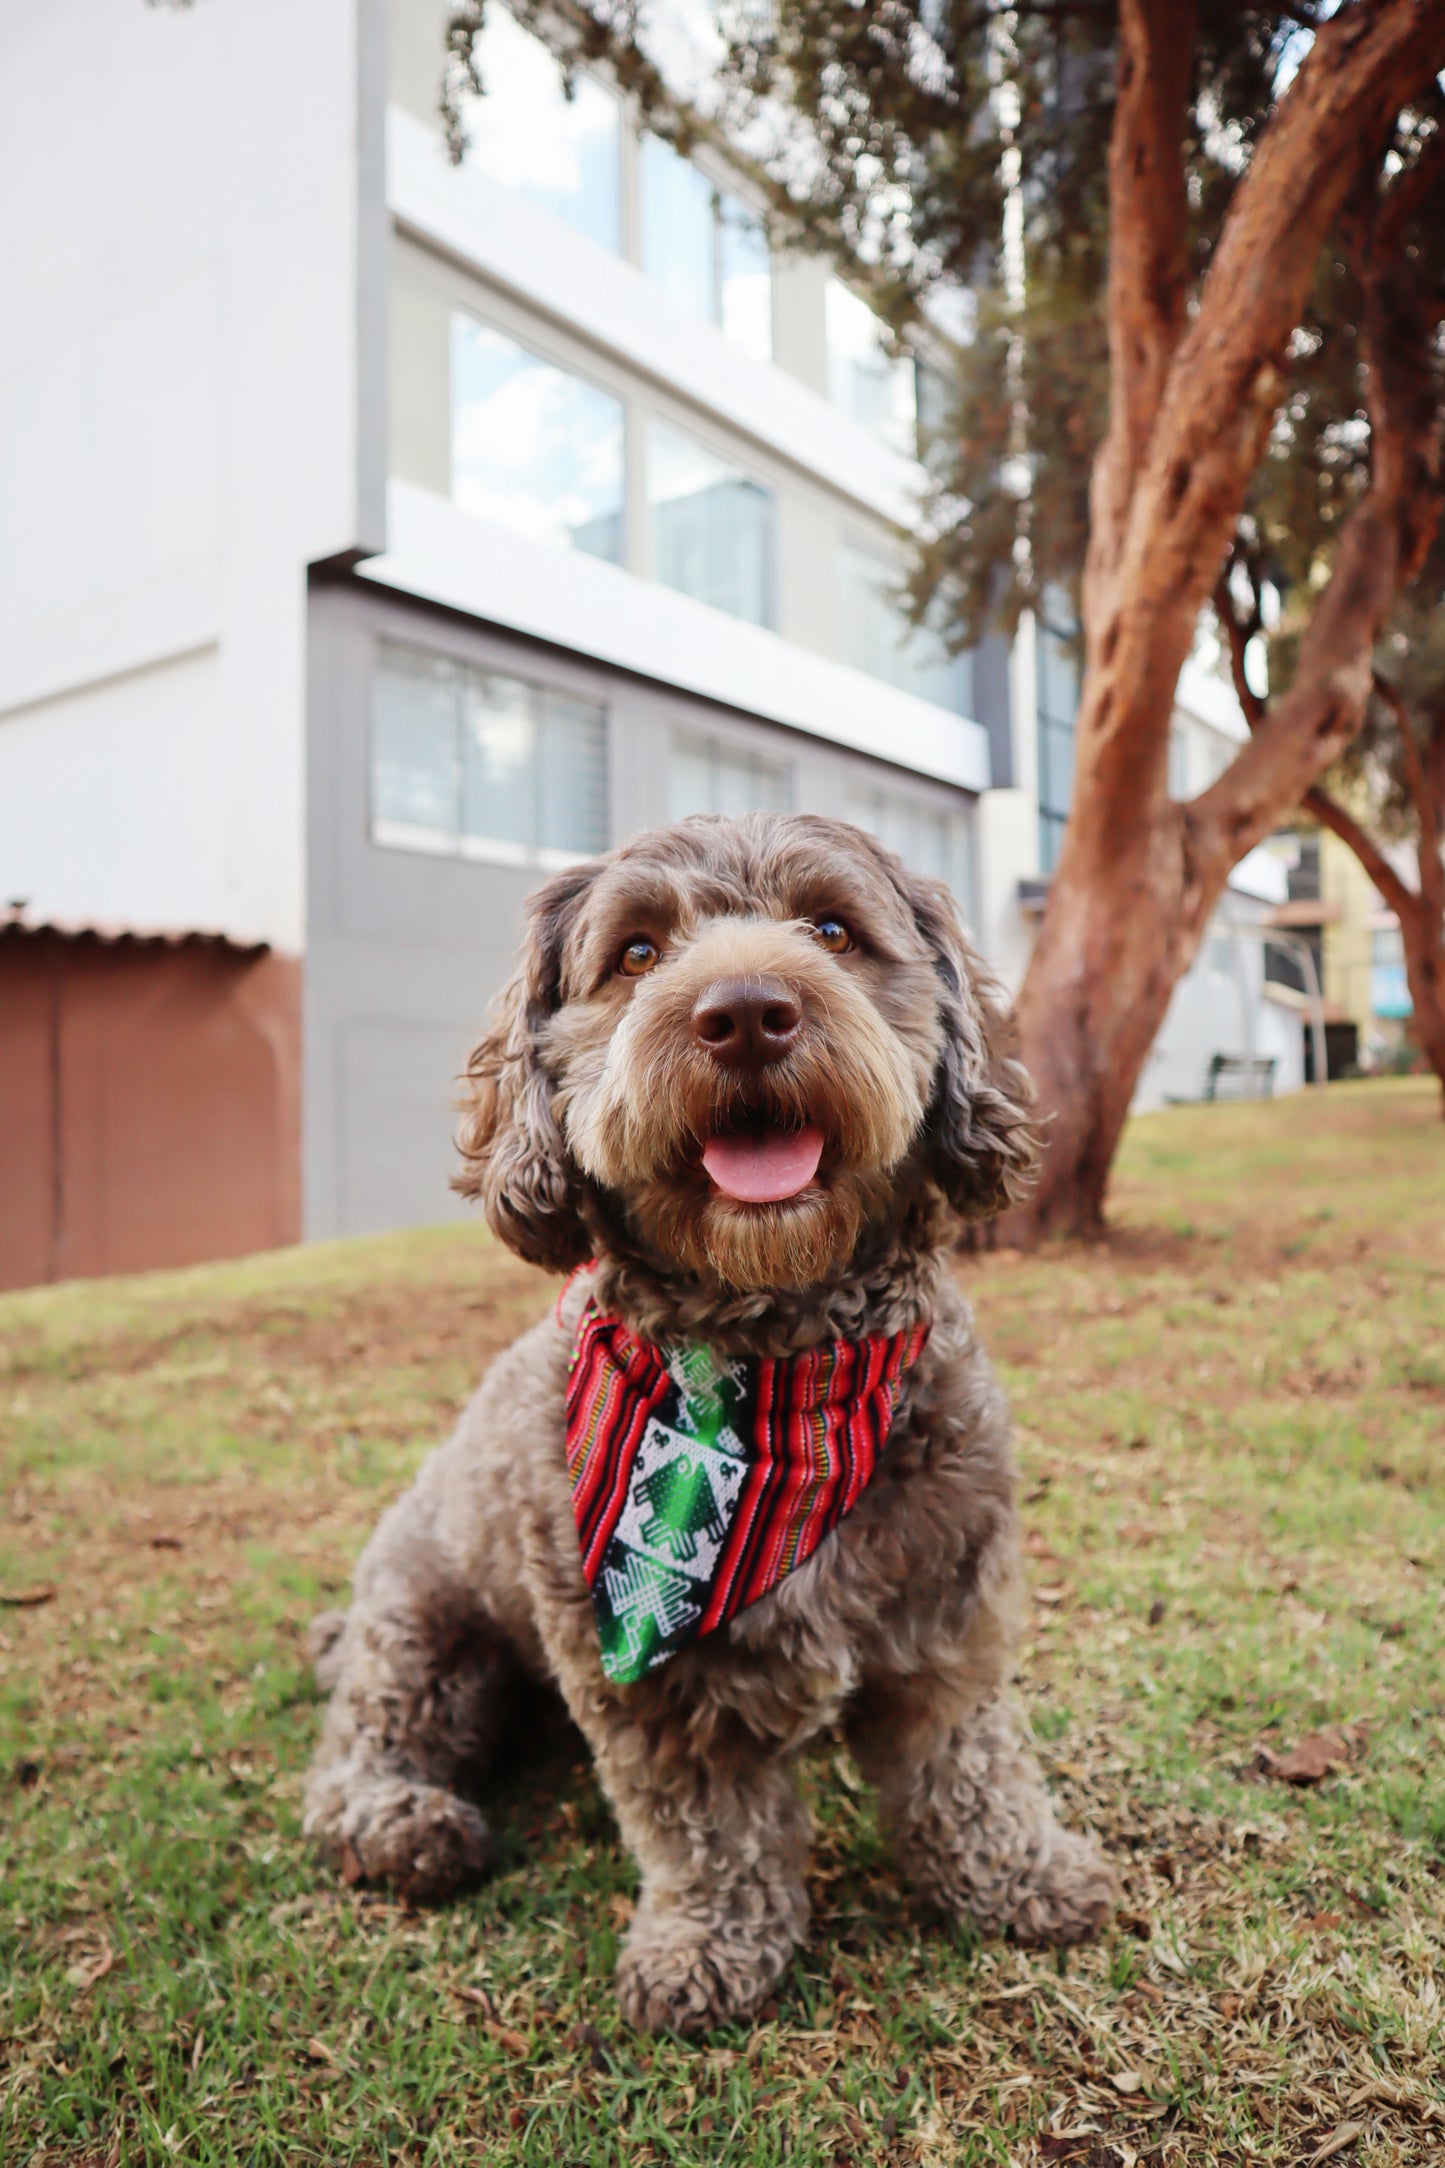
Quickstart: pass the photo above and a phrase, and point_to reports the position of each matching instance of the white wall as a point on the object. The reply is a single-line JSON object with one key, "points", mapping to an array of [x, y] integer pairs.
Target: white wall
{"points": [[183, 419], [137, 743]]}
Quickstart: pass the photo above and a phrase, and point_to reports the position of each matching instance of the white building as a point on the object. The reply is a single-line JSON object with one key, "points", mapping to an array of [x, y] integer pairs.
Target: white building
{"points": [[375, 535]]}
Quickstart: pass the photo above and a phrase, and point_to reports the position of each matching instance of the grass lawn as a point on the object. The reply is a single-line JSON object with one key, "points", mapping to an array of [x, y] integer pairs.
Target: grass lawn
{"points": [[1232, 1427]]}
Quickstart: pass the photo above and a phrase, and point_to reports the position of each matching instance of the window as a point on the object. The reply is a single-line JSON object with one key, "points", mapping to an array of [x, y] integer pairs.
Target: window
{"points": [[864, 379], [565, 153], [470, 763], [931, 838], [704, 248], [1390, 995], [1058, 703], [534, 447], [878, 638], [712, 776], [712, 527]]}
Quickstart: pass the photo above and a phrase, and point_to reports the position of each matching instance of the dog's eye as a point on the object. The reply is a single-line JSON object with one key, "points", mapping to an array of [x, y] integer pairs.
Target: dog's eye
{"points": [[833, 935], [638, 958]]}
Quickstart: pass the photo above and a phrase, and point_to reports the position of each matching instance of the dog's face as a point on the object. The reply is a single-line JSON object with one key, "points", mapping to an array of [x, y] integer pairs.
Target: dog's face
{"points": [[750, 1036]]}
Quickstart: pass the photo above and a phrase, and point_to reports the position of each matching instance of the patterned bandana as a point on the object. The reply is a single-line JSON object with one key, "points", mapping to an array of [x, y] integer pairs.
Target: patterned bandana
{"points": [[698, 1482]]}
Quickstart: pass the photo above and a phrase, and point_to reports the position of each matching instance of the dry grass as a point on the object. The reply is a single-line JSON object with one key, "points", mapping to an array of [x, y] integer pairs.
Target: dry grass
{"points": [[1232, 1422]]}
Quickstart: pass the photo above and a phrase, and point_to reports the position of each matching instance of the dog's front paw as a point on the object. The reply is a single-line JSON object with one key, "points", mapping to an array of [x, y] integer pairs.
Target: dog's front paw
{"points": [[688, 1982], [1071, 1897], [420, 1839]]}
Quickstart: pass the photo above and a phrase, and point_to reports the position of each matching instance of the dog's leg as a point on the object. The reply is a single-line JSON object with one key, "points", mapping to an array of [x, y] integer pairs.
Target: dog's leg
{"points": [[419, 1692], [972, 1823], [720, 1837]]}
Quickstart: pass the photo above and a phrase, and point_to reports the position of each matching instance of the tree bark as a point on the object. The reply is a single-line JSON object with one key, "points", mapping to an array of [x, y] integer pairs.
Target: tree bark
{"points": [[1139, 876]]}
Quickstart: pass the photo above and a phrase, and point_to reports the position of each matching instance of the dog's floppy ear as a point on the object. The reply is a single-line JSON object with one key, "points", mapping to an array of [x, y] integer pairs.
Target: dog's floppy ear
{"points": [[514, 1159], [984, 1148]]}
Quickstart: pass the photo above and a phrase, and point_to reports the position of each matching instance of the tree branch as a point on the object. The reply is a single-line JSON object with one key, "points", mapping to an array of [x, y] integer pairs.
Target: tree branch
{"points": [[1410, 195], [1401, 898], [1148, 244], [1380, 548], [1432, 869], [1239, 636], [1227, 375]]}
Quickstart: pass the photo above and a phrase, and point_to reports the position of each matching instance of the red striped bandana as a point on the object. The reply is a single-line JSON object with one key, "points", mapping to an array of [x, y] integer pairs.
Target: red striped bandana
{"points": [[699, 1481]]}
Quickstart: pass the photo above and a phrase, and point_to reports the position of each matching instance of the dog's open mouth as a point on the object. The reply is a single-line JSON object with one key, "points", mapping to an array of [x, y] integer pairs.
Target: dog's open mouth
{"points": [[757, 1160]]}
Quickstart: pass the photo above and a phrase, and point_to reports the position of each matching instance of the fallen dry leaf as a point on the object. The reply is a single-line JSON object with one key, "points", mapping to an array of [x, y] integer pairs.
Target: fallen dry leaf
{"points": [[21, 1599], [1126, 2081], [506, 2038], [1323, 1922], [166, 1543], [317, 2051], [478, 1997], [1049, 1596], [1314, 1759], [1336, 2142], [88, 1970]]}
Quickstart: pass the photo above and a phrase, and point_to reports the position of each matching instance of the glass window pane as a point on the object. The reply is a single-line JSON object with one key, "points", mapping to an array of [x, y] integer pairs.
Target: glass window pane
{"points": [[712, 527], [745, 281], [499, 761], [572, 798], [690, 779], [863, 378], [414, 771], [565, 153], [930, 838], [678, 228], [878, 638], [710, 776], [484, 765], [534, 447]]}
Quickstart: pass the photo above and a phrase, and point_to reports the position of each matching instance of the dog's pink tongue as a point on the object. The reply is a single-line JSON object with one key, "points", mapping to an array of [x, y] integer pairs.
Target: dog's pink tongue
{"points": [[764, 1169]]}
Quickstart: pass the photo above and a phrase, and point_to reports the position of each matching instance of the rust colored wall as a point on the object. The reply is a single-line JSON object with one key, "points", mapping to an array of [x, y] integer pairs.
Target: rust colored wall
{"points": [[149, 1104]]}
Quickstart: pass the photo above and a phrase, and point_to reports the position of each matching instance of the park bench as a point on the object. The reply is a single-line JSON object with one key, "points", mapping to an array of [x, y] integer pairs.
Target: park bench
{"points": [[1240, 1076]]}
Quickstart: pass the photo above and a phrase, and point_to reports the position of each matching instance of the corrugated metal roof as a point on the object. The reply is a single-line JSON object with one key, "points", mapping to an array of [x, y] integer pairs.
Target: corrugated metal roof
{"points": [[23, 924]]}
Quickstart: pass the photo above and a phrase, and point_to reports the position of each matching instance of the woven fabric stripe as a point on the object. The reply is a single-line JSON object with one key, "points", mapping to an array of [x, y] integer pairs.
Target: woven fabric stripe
{"points": [[699, 1482], [617, 1384]]}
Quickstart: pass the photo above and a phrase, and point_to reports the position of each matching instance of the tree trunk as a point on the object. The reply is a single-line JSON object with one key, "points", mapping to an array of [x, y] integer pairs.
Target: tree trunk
{"points": [[1191, 406], [1425, 975]]}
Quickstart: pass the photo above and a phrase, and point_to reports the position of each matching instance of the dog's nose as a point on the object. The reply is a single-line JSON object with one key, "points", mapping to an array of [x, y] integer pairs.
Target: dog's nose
{"points": [[746, 1022]]}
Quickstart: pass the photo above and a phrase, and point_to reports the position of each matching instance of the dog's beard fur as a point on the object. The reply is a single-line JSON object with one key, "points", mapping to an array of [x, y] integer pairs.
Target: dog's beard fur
{"points": [[638, 1104]]}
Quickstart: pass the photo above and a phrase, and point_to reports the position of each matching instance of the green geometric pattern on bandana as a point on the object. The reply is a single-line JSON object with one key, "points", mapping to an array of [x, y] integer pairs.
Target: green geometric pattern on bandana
{"points": [[681, 1497]]}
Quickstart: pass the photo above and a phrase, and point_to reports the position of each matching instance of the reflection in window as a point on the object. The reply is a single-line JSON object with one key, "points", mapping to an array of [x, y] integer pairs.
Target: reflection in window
{"points": [[1390, 995], [705, 250], [878, 638], [711, 776], [712, 527], [470, 763], [534, 447], [1058, 703], [565, 153], [864, 379], [930, 838]]}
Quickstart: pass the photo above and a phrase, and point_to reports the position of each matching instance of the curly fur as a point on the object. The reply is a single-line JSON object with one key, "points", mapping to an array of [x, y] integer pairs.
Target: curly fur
{"points": [[588, 1100]]}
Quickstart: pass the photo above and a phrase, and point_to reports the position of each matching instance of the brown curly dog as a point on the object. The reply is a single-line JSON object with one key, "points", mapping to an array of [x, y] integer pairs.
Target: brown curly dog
{"points": [[753, 1070]]}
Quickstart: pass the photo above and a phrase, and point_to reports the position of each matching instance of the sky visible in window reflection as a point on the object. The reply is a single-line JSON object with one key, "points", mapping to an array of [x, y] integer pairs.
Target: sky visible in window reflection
{"points": [[535, 448], [564, 153]]}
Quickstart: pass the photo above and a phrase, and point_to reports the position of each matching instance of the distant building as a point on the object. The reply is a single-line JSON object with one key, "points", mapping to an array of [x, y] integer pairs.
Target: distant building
{"points": [[378, 535]]}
